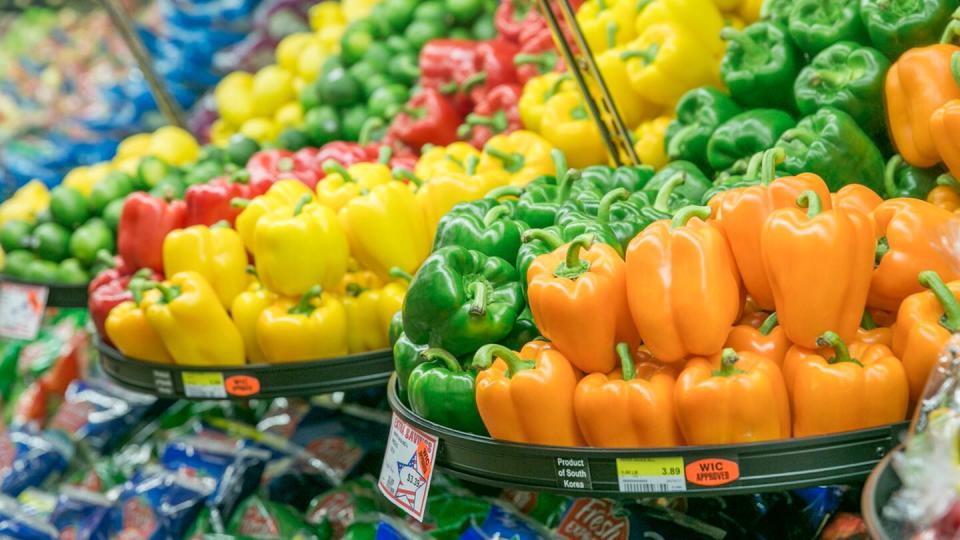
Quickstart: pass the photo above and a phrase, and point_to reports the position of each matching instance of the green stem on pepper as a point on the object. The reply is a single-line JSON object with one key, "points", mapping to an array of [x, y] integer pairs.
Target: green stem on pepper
{"points": [[840, 350], [951, 307], [485, 356]]}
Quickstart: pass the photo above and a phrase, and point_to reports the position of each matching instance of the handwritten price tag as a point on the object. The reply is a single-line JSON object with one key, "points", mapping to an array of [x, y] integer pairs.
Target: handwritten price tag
{"points": [[408, 467], [21, 309]]}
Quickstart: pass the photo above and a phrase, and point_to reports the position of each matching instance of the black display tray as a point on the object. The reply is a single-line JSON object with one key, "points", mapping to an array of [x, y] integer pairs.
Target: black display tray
{"points": [[250, 381], [58, 295], [880, 486], [769, 466]]}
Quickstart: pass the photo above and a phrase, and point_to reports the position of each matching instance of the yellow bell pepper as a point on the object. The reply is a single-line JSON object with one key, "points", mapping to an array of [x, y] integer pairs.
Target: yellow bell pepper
{"points": [[444, 159], [391, 298], [186, 313], [84, 178], [311, 328], [289, 115], [289, 48], [445, 190], [649, 144], [357, 9], [26, 202], [387, 228], [364, 332], [633, 108], [355, 278], [221, 131], [281, 194], [569, 127], [245, 312], [749, 10], [174, 145], [607, 23], [262, 130], [298, 247], [521, 156], [216, 253], [666, 61], [128, 329], [133, 146], [234, 97], [535, 94], [700, 17], [326, 14], [272, 89], [343, 184]]}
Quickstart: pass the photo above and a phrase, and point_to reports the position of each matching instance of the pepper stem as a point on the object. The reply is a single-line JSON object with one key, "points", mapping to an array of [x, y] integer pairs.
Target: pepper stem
{"points": [[168, 293], [400, 273], [626, 362], [512, 161], [573, 266], [440, 355], [768, 324], [544, 61], [811, 201], [728, 363], [368, 129], [239, 202], [384, 154], [867, 322], [330, 167], [104, 257], [495, 214], [504, 191], [302, 202], [754, 166], [305, 305], [478, 289], [612, 29], [285, 164], [883, 246], [551, 239], [951, 307], [890, 175], [947, 179], [473, 81], [749, 46], [470, 165], [399, 173], [687, 213], [832, 340], [674, 147], [768, 166], [485, 356], [561, 171], [662, 202], [603, 211], [647, 55], [555, 87]]}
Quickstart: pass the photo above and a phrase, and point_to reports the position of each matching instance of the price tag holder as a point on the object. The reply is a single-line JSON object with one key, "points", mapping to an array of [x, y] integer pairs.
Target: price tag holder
{"points": [[204, 385], [408, 466], [21, 309], [651, 475]]}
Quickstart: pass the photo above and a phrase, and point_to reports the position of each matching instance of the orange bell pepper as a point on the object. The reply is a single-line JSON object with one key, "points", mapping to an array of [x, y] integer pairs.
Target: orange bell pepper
{"points": [[732, 398], [858, 388], [577, 295], [947, 193], [682, 286], [924, 325], [912, 234], [743, 211], [945, 125], [859, 197], [819, 265], [918, 84], [871, 334], [632, 407], [527, 397], [767, 340]]}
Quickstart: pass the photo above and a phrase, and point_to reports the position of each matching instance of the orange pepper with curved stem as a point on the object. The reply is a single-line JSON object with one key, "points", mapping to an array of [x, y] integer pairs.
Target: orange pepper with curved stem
{"points": [[767, 340], [912, 236], [855, 388], [527, 397], [578, 300], [819, 265], [735, 397], [631, 407], [742, 213], [683, 288], [924, 325], [947, 193], [918, 84]]}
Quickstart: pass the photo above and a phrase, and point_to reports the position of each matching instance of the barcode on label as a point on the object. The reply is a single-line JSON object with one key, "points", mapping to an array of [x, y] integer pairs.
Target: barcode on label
{"points": [[636, 486]]}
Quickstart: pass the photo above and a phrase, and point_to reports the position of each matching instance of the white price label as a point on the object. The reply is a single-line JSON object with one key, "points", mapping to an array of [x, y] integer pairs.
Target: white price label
{"points": [[408, 467], [204, 384], [21, 309], [651, 475]]}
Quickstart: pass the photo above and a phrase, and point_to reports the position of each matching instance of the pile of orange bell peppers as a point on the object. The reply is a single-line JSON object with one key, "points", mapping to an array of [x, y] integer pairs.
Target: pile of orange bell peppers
{"points": [[780, 309]]}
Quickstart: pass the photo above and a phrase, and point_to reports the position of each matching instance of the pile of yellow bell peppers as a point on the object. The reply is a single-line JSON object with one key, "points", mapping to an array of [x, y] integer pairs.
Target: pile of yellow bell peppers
{"points": [[649, 53], [262, 105], [26, 203]]}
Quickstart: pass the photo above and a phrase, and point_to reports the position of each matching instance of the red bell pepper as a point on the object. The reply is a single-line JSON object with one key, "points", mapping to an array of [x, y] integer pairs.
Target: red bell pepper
{"points": [[268, 166], [344, 153], [108, 289], [447, 65], [512, 16], [428, 118], [494, 67], [537, 55], [496, 113], [144, 223], [210, 203]]}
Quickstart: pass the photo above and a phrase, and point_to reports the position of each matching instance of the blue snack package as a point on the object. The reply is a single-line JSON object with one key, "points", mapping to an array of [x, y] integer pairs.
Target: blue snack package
{"points": [[37, 457], [820, 504], [504, 522], [14, 523], [158, 505], [81, 515], [236, 471]]}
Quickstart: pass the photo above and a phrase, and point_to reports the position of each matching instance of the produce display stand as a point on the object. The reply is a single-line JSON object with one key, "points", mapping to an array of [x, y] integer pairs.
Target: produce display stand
{"points": [[58, 294], [597, 472], [880, 486], [250, 381]]}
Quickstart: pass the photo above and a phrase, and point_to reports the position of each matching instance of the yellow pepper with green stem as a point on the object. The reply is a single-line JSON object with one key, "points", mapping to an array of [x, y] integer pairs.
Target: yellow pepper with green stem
{"points": [[127, 327], [649, 145], [245, 312], [282, 193], [701, 18], [569, 127], [311, 328], [521, 156], [216, 253], [444, 159], [607, 23], [536, 93], [343, 184]]}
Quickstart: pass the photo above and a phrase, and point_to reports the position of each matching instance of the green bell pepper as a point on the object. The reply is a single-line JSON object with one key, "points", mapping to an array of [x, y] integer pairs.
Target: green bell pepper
{"points": [[897, 25], [41, 271], [356, 39], [849, 77], [68, 206], [746, 134], [461, 299], [464, 11], [240, 149], [339, 89], [605, 178], [387, 101], [15, 234], [744, 173], [72, 272], [484, 27], [760, 65], [441, 391], [776, 11], [540, 202], [816, 24], [830, 144], [152, 169], [293, 139], [51, 242], [494, 234], [695, 182], [404, 68], [524, 331], [115, 185], [395, 328], [698, 114], [398, 13], [421, 31], [202, 172], [171, 187], [352, 121], [901, 179], [16, 262], [574, 223], [478, 208], [406, 356], [536, 242], [322, 125], [90, 238]]}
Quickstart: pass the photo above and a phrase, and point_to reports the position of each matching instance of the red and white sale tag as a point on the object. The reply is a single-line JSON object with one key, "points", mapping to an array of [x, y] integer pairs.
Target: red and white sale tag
{"points": [[408, 466], [21, 309]]}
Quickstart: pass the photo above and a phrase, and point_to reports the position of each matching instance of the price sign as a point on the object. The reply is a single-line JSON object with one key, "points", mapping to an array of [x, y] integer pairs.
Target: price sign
{"points": [[21, 309], [408, 466], [204, 384], [651, 475]]}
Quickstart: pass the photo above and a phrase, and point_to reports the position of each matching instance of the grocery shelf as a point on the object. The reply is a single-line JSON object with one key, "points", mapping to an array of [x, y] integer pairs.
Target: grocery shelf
{"points": [[249, 381], [58, 295], [593, 472], [880, 486]]}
